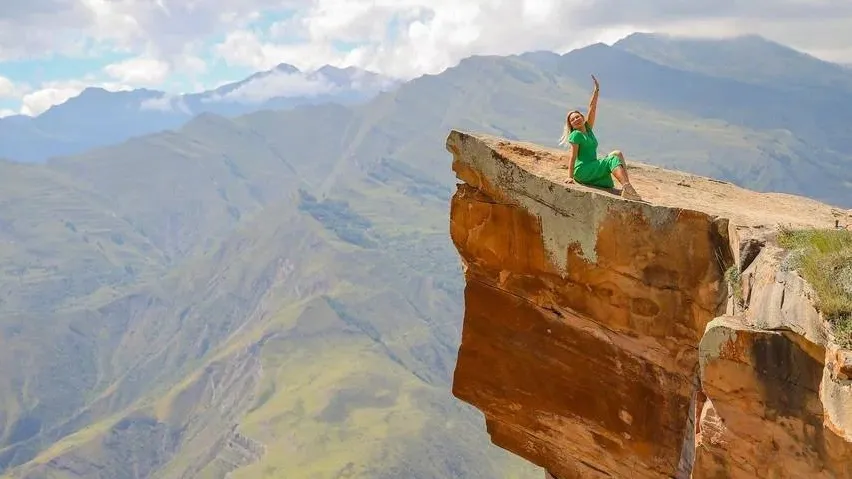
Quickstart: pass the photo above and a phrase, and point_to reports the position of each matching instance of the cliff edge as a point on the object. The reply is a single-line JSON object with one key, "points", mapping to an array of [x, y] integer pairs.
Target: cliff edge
{"points": [[666, 338]]}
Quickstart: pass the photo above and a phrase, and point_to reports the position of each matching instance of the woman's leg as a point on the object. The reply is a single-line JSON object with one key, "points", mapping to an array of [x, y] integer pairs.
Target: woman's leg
{"points": [[620, 174], [618, 154]]}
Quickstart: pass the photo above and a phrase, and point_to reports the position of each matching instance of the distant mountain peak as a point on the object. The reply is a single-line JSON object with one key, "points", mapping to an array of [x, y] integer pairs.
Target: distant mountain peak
{"points": [[748, 58], [98, 116], [646, 38], [93, 90], [744, 44], [99, 93], [285, 68], [351, 70], [350, 76], [332, 68], [639, 38], [598, 46]]}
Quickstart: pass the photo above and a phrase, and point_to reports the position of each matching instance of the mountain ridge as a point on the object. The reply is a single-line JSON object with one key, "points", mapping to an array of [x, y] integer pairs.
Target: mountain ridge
{"points": [[769, 65], [99, 117]]}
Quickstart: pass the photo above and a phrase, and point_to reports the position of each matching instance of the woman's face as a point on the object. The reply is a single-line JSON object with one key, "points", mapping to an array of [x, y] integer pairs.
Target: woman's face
{"points": [[575, 119]]}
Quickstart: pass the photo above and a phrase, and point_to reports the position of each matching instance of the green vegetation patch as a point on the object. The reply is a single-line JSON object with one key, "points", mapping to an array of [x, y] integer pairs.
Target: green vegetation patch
{"points": [[824, 258], [734, 278], [337, 216]]}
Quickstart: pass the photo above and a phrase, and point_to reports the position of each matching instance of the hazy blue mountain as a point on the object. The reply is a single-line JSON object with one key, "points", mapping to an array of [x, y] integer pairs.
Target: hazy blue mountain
{"points": [[748, 58], [820, 116], [98, 117]]}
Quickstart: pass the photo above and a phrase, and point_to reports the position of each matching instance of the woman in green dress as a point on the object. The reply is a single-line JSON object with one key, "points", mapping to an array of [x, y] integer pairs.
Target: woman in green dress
{"points": [[584, 166]]}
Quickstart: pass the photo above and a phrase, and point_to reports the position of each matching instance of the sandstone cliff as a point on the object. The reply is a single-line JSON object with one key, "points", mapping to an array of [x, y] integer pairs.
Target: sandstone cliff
{"points": [[601, 337]]}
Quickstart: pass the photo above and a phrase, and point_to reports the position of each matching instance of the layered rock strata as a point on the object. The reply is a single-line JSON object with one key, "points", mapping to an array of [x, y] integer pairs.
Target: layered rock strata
{"points": [[601, 338]]}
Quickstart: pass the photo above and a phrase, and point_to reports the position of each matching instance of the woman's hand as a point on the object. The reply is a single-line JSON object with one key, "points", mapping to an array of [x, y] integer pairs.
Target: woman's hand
{"points": [[597, 85], [569, 180]]}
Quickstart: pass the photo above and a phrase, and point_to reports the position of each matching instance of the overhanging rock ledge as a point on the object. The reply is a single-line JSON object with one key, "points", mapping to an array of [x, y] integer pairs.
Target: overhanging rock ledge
{"points": [[601, 338]]}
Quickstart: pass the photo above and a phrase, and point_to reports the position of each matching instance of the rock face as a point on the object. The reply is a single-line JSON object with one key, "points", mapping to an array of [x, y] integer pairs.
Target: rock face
{"points": [[597, 329]]}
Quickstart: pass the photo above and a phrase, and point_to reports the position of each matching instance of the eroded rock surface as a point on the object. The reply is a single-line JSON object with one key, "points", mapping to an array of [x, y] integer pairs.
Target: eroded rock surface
{"points": [[764, 416], [584, 315]]}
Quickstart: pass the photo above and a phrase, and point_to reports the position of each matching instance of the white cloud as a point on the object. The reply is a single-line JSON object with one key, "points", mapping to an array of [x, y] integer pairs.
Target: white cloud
{"points": [[244, 48], [277, 84], [35, 27], [406, 38], [841, 54], [54, 93], [170, 25], [191, 63], [4, 112], [9, 89], [39, 26], [39, 101], [403, 38], [166, 102], [139, 71]]}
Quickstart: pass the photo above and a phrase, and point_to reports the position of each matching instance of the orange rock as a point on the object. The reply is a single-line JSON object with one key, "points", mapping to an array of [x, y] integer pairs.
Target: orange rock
{"points": [[584, 312], [766, 416]]}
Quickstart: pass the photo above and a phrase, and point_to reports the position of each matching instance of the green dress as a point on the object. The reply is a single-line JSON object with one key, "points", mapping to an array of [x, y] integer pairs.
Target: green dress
{"points": [[588, 169]]}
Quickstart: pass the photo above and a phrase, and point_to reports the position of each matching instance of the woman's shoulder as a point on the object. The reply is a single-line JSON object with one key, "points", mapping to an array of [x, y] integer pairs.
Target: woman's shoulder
{"points": [[575, 136], [580, 133]]}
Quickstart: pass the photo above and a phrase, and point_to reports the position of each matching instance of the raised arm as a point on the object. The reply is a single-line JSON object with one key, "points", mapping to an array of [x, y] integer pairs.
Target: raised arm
{"points": [[593, 104]]}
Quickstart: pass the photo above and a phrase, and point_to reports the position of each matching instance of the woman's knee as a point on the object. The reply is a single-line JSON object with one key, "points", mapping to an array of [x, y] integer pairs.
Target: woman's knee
{"points": [[617, 153]]}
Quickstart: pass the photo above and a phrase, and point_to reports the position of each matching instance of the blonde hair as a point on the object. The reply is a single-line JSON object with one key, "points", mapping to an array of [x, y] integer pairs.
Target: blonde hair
{"points": [[566, 128]]}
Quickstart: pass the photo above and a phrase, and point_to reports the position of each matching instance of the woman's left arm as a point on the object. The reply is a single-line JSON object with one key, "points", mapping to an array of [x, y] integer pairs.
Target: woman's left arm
{"points": [[593, 104]]}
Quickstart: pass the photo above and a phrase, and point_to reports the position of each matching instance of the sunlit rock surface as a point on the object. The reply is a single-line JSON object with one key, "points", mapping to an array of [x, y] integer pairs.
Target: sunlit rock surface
{"points": [[597, 329]]}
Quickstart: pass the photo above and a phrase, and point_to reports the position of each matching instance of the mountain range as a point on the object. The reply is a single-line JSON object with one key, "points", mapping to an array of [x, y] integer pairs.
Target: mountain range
{"points": [[275, 294], [97, 117]]}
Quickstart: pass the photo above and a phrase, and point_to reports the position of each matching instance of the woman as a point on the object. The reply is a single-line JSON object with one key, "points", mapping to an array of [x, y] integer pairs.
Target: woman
{"points": [[585, 167]]}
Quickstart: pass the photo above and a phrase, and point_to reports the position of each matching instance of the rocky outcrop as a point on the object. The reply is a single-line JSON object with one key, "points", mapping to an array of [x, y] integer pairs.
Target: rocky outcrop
{"points": [[601, 337]]}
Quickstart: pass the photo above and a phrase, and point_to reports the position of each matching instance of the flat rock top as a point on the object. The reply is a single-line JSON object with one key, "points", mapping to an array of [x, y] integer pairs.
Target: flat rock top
{"points": [[659, 186]]}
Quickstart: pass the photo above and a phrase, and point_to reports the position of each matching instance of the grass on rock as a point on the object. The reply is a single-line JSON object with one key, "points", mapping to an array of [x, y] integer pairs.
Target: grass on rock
{"points": [[824, 258], [734, 278]]}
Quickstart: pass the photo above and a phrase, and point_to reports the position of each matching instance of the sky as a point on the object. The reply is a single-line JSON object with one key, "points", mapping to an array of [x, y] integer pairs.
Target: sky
{"points": [[51, 49]]}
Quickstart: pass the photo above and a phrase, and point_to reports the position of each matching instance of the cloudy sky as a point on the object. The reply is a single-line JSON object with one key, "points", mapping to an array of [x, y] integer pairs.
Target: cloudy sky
{"points": [[51, 49]]}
